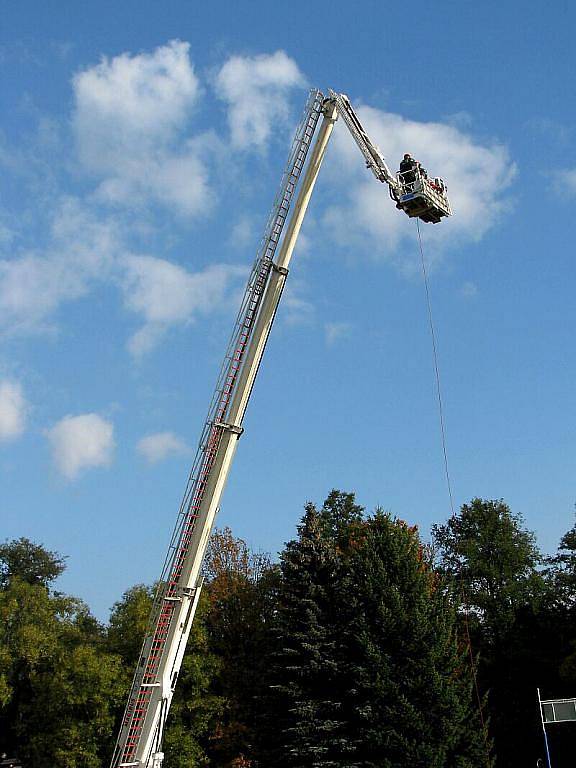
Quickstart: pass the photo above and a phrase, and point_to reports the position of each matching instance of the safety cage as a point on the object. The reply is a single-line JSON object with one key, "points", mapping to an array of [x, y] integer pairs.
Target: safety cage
{"points": [[422, 197]]}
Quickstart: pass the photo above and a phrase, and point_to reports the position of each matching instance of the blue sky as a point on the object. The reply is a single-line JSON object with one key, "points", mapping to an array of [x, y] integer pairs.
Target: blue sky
{"points": [[141, 145]]}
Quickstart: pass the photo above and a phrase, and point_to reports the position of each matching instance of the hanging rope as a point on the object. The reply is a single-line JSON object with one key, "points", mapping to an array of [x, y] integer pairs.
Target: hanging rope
{"points": [[436, 369], [449, 486]]}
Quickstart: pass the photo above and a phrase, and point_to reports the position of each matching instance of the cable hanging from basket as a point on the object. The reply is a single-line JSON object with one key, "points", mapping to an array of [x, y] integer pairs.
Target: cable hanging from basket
{"points": [[463, 594]]}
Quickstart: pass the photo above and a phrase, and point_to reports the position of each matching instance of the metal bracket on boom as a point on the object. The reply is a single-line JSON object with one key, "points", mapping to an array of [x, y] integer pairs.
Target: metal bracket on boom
{"points": [[330, 108], [234, 428], [181, 591], [280, 270]]}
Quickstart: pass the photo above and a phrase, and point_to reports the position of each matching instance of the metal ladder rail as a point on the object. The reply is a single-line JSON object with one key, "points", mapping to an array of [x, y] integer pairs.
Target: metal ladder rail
{"points": [[263, 261], [224, 388], [209, 451], [146, 677]]}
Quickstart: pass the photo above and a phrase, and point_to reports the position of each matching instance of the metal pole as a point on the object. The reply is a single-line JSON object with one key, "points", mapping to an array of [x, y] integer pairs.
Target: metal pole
{"points": [[544, 729]]}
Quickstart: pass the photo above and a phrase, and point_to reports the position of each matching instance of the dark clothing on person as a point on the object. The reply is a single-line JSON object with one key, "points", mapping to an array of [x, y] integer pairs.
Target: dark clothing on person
{"points": [[407, 169], [408, 164]]}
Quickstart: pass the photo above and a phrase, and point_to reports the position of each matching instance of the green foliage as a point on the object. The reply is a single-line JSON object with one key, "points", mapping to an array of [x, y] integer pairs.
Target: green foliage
{"points": [[562, 570], [494, 560], [303, 708], [367, 668], [30, 562], [341, 519], [59, 686], [69, 717], [240, 589], [195, 709], [409, 696], [486, 549], [128, 623], [194, 706], [352, 652]]}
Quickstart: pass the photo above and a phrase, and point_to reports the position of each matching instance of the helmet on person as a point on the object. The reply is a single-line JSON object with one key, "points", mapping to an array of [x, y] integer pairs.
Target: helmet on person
{"points": [[407, 156]]}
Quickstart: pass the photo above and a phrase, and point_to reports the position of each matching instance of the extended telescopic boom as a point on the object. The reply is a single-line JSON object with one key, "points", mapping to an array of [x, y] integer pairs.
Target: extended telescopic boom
{"points": [[140, 739], [139, 742]]}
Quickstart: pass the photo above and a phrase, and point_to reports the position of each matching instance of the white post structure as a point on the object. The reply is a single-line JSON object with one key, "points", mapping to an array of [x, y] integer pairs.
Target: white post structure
{"points": [[544, 729], [140, 740]]}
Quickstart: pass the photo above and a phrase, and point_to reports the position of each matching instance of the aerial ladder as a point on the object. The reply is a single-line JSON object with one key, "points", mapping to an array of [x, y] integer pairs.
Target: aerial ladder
{"points": [[139, 742]]}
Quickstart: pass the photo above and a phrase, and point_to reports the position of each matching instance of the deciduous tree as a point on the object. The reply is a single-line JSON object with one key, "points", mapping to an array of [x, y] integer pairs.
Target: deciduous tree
{"points": [[59, 685], [495, 563]]}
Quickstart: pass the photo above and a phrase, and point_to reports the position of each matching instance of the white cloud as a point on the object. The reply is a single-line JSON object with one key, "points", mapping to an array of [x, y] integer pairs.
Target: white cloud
{"points": [[469, 290], [255, 89], [296, 309], [242, 233], [142, 99], [13, 408], [81, 442], [478, 177], [33, 284], [160, 445], [130, 118], [178, 180], [165, 294], [336, 331], [86, 251], [6, 235], [565, 181]]}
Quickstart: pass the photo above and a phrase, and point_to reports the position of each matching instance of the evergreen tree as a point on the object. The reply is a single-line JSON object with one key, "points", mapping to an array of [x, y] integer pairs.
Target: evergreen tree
{"points": [[367, 669], [557, 645], [564, 576], [303, 724], [409, 699], [341, 520]]}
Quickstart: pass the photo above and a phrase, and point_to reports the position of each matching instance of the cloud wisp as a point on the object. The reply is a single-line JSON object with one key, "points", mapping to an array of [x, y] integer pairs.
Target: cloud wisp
{"points": [[131, 120], [87, 251], [13, 410], [81, 442], [565, 181], [165, 294], [335, 332], [161, 445], [33, 284]]}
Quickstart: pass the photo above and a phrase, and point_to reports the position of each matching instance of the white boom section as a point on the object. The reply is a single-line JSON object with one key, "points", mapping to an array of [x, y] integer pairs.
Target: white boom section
{"points": [[140, 740], [374, 158]]}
